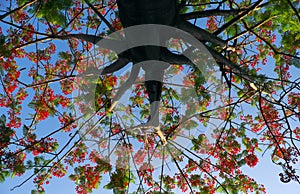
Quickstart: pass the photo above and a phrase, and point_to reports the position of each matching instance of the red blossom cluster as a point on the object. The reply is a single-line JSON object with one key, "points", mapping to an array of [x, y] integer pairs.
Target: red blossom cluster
{"points": [[181, 182], [296, 131], [256, 125], [46, 145], [116, 23], [62, 67], [78, 155], [10, 79], [139, 156], [59, 170], [46, 102], [15, 161], [251, 160], [191, 166], [88, 175], [294, 100], [10, 98], [20, 16], [169, 181], [146, 170], [268, 35], [67, 122], [94, 156], [40, 180], [15, 120], [212, 24]]}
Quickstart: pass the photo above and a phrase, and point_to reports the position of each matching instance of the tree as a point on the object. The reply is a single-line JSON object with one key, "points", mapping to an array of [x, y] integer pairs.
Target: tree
{"points": [[45, 52]]}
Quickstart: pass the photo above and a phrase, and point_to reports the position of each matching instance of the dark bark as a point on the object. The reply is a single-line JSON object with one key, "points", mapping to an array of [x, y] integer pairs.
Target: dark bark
{"points": [[208, 13], [137, 12]]}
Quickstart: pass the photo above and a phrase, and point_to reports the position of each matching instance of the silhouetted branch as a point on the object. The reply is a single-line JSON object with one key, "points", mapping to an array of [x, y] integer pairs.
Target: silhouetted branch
{"points": [[238, 17], [294, 9], [111, 28], [121, 62], [199, 33], [208, 13], [17, 9]]}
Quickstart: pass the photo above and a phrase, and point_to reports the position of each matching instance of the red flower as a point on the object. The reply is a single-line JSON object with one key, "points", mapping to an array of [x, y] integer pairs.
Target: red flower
{"points": [[251, 160], [11, 88], [42, 114]]}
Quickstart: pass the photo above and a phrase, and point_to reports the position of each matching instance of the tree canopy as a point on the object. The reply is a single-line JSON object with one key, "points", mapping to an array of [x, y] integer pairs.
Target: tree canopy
{"points": [[47, 49]]}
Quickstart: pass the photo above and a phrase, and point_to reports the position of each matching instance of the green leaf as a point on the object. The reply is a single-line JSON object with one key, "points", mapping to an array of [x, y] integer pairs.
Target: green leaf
{"points": [[2, 39], [1, 70], [21, 2], [3, 119], [175, 95], [2, 178], [32, 105], [296, 63], [53, 11], [3, 175], [240, 93], [25, 130], [220, 190], [33, 192]]}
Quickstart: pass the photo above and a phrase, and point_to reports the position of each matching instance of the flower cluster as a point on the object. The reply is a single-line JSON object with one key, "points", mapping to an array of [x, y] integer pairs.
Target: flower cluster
{"points": [[251, 160]]}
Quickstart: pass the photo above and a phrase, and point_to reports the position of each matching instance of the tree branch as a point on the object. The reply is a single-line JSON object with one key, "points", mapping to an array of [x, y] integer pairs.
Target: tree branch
{"points": [[219, 57], [172, 58], [208, 13], [132, 77], [117, 65], [17, 9], [238, 18], [181, 4], [115, 45], [247, 31], [294, 9], [111, 28], [199, 33], [268, 43]]}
